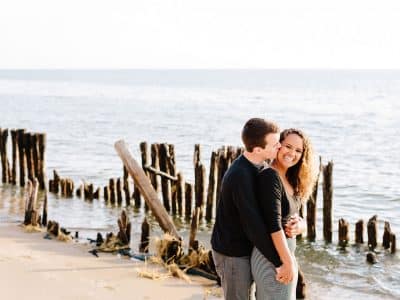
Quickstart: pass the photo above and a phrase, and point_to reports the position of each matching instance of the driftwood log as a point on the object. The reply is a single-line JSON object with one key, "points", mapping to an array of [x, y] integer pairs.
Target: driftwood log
{"points": [[146, 189]]}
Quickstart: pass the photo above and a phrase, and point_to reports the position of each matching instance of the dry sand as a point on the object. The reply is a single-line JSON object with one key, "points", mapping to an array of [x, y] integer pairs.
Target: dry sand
{"points": [[32, 267]]}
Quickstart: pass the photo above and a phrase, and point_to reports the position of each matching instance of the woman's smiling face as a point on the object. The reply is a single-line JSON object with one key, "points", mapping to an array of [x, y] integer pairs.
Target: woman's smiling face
{"points": [[291, 150]]}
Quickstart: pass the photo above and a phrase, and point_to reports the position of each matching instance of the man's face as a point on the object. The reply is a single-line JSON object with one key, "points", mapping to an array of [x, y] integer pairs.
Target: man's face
{"points": [[272, 147]]}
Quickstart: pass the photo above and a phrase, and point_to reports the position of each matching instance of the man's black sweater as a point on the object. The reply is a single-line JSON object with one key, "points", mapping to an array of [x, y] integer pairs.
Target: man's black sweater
{"points": [[238, 224]]}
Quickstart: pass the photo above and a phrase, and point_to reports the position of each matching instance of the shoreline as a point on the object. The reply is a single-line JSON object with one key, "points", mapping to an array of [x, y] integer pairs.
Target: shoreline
{"points": [[34, 267]]}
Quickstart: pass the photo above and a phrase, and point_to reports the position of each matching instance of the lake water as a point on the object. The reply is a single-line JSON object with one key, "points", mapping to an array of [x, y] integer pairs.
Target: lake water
{"points": [[352, 118]]}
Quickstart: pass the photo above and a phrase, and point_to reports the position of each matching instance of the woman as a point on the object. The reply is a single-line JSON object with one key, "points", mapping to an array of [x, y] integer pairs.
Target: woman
{"points": [[281, 189]]}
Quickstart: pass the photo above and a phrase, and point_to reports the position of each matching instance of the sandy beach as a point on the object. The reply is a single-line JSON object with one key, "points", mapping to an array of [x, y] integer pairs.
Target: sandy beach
{"points": [[37, 268]]}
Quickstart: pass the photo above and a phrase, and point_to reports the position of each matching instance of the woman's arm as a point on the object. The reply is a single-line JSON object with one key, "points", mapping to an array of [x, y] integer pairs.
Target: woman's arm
{"points": [[269, 195]]}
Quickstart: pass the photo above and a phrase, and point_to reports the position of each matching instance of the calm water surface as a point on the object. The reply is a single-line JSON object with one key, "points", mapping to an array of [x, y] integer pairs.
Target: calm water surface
{"points": [[352, 117]]}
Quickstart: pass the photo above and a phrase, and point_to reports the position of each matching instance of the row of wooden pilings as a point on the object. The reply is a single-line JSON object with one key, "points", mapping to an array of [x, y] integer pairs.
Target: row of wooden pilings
{"points": [[28, 150], [180, 198]]}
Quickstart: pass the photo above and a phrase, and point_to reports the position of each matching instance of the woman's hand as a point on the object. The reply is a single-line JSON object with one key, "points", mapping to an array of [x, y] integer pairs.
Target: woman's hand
{"points": [[285, 273], [296, 225]]}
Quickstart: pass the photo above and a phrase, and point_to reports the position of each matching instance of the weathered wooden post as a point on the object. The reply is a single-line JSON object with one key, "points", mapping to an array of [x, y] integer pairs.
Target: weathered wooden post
{"points": [[327, 198], [96, 194], [31, 214], [343, 232], [165, 184], [44, 214], [359, 232], [78, 191], [119, 191], [21, 156], [231, 155], [155, 163], [196, 154], [180, 192], [136, 197], [145, 237], [146, 189], [392, 243], [126, 187], [35, 155], [312, 208], [386, 236], [3, 154], [212, 186], [372, 229], [124, 225], [222, 167], [106, 193], [188, 200], [28, 154], [62, 187], [13, 178], [200, 188], [42, 164], [70, 188], [172, 172], [56, 182], [193, 227], [111, 186]]}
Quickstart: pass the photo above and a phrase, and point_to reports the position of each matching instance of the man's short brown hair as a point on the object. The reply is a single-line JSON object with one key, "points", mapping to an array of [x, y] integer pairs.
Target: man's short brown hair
{"points": [[254, 132]]}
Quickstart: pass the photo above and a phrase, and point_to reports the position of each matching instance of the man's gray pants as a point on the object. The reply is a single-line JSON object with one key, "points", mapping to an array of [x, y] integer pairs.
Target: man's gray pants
{"points": [[235, 274]]}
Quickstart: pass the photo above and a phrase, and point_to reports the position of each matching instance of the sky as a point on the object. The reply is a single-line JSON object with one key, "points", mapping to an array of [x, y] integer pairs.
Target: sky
{"points": [[184, 34]]}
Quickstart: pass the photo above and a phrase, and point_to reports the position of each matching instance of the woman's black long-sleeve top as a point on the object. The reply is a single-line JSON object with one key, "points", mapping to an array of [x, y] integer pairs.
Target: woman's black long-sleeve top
{"points": [[275, 206]]}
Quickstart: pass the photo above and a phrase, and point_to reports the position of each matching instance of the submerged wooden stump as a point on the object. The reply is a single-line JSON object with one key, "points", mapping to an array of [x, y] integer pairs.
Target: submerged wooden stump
{"points": [[372, 229], [359, 232], [392, 243], [343, 232], [386, 236]]}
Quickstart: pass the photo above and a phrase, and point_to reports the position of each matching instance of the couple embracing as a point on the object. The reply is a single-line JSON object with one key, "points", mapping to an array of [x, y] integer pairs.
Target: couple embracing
{"points": [[257, 220]]}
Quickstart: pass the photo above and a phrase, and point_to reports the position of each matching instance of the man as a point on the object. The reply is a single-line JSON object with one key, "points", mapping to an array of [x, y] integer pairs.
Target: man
{"points": [[238, 225]]}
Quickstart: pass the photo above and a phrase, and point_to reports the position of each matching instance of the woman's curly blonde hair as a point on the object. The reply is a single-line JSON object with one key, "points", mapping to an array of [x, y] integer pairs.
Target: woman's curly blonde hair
{"points": [[302, 175]]}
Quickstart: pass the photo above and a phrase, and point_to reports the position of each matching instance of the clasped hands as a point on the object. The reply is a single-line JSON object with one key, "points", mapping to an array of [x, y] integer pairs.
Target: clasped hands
{"points": [[294, 226]]}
